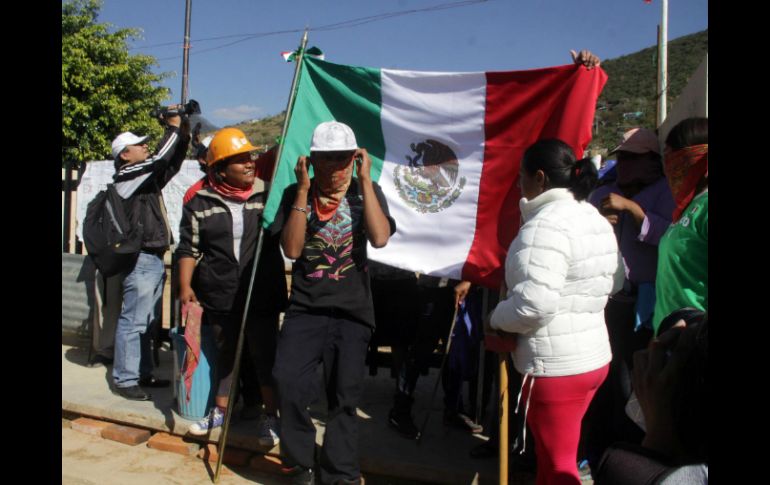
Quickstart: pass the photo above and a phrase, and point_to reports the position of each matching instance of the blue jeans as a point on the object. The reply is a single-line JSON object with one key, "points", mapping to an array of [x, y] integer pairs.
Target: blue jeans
{"points": [[142, 288]]}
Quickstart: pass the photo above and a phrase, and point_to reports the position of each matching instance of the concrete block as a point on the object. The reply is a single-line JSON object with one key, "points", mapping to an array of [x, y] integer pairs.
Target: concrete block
{"points": [[89, 426], [174, 444], [126, 434], [233, 456]]}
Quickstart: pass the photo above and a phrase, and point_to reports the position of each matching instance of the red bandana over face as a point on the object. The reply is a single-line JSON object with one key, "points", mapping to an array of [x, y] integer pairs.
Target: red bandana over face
{"points": [[228, 191], [684, 170], [332, 180]]}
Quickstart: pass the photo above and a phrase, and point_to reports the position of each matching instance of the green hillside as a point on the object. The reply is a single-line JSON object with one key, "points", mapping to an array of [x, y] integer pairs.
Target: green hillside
{"points": [[264, 131], [630, 89], [632, 84]]}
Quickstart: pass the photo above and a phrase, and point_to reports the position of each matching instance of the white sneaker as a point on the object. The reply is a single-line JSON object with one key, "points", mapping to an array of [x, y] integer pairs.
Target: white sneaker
{"points": [[268, 430], [214, 420]]}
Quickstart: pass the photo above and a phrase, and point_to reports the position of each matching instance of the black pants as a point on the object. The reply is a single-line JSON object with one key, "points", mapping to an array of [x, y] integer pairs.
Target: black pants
{"points": [[305, 341], [258, 350], [605, 421], [412, 357]]}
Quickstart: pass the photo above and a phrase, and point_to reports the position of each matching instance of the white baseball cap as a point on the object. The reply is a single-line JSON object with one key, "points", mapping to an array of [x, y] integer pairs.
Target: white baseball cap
{"points": [[333, 136], [123, 140]]}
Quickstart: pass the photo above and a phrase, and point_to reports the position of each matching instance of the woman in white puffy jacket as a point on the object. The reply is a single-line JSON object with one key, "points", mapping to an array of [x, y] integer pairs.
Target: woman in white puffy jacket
{"points": [[559, 271]]}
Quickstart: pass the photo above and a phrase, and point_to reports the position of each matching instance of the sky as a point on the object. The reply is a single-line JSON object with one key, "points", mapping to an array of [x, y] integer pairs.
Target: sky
{"points": [[250, 80]]}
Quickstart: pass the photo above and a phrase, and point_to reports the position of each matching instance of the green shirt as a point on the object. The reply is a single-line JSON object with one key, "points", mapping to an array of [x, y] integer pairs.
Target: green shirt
{"points": [[683, 264]]}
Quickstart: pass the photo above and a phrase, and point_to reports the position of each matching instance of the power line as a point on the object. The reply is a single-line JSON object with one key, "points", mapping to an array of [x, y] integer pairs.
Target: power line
{"points": [[323, 28]]}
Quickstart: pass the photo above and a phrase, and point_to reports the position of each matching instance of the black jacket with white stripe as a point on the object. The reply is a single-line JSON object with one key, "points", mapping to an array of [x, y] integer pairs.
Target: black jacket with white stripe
{"points": [[140, 185], [221, 280]]}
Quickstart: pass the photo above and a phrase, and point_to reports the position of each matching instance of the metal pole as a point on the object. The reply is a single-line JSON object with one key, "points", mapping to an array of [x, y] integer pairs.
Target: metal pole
{"points": [[260, 237], [657, 76], [438, 379], [290, 105], [186, 47], [663, 63]]}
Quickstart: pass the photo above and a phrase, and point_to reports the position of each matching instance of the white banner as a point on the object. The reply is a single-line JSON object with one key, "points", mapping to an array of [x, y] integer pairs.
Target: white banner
{"points": [[99, 173]]}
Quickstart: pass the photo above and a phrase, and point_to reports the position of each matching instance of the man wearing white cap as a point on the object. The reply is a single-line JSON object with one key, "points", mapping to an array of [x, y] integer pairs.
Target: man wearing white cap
{"points": [[639, 205], [326, 223], [139, 179]]}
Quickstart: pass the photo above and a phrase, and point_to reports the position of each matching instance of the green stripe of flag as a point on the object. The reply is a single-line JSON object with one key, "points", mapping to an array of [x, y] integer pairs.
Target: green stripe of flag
{"points": [[326, 92]]}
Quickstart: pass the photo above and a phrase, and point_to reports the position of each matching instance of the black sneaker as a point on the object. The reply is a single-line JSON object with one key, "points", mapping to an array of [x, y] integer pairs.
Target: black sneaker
{"points": [[402, 422], [99, 361], [134, 393], [461, 421], [523, 463], [299, 475], [358, 481], [487, 449], [153, 381]]}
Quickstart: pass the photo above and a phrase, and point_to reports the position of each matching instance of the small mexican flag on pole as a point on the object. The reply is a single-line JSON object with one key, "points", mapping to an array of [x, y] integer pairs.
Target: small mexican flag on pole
{"points": [[314, 52]]}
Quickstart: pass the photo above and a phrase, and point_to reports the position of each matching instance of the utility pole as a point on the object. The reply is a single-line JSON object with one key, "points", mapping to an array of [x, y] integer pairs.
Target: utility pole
{"points": [[186, 47], [662, 63]]}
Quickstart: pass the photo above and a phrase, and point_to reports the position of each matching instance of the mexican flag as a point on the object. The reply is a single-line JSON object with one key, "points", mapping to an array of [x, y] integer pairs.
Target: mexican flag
{"points": [[445, 148]]}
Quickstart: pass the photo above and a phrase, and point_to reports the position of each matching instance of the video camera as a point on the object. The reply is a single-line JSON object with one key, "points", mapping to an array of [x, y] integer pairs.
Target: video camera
{"points": [[191, 108]]}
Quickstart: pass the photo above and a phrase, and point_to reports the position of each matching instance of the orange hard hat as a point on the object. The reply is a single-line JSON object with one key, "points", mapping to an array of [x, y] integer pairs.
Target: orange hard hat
{"points": [[226, 143]]}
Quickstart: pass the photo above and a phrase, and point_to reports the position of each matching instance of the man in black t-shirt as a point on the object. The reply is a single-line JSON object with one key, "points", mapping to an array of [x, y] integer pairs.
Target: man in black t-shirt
{"points": [[325, 224]]}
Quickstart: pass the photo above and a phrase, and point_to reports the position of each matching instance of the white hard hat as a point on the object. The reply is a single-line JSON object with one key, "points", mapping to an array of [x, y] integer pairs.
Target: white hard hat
{"points": [[333, 136]]}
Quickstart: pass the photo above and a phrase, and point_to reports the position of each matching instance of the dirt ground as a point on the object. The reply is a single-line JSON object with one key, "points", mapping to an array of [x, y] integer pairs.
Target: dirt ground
{"points": [[92, 460]]}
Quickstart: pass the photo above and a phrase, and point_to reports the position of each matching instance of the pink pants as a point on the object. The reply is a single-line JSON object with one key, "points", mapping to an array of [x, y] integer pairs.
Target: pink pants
{"points": [[555, 414]]}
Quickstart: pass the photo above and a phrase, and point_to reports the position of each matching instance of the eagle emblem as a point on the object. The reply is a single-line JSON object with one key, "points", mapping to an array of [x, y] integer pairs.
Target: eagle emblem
{"points": [[429, 181]]}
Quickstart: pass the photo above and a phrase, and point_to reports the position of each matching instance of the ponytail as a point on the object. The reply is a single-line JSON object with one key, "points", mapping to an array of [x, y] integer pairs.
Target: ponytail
{"points": [[557, 161], [583, 178]]}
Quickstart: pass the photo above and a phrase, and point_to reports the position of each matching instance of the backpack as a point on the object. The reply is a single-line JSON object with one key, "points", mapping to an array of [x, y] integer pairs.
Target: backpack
{"points": [[111, 240]]}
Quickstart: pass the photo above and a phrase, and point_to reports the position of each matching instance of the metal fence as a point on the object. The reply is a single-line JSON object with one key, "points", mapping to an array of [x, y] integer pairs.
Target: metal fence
{"points": [[77, 294]]}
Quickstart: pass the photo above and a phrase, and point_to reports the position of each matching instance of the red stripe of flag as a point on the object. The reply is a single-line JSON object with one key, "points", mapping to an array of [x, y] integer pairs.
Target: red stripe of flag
{"points": [[521, 108]]}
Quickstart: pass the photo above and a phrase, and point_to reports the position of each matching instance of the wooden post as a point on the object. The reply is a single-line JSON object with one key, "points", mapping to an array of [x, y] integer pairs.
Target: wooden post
{"points": [[63, 208], [67, 208], [72, 188], [503, 393]]}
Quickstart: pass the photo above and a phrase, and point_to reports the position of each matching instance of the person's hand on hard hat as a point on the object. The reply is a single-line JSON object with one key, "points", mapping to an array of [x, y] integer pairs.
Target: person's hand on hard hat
{"points": [[363, 164], [300, 171]]}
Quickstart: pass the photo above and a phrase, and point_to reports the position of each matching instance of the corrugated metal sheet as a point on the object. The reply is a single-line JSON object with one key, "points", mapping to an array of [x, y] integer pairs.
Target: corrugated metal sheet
{"points": [[77, 290]]}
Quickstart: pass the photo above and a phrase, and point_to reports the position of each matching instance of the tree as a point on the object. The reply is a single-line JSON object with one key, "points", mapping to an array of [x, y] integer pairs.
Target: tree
{"points": [[105, 91]]}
